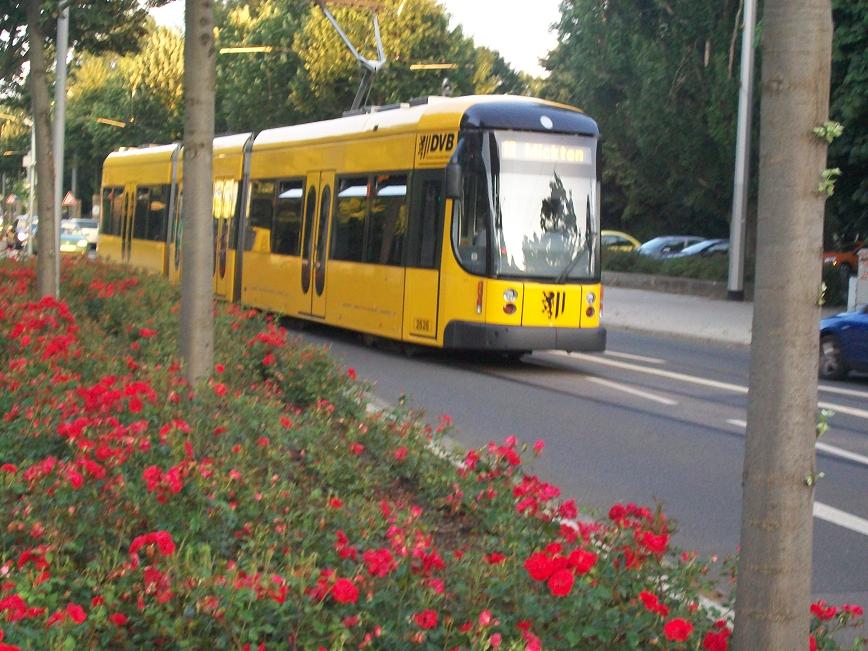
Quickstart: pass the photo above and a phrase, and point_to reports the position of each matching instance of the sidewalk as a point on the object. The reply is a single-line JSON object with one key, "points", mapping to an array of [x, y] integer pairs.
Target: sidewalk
{"points": [[681, 315]]}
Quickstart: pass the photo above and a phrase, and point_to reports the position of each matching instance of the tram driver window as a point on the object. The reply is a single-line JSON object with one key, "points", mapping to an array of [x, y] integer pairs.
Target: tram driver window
{"points": [[470, 216]]}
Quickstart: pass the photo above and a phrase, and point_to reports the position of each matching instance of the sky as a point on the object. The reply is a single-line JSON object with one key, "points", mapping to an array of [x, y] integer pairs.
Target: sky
{"points": [[518, 29]]}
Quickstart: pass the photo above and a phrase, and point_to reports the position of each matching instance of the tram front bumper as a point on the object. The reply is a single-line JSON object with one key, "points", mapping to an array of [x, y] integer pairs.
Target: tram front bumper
{"points": [[480, 336]]}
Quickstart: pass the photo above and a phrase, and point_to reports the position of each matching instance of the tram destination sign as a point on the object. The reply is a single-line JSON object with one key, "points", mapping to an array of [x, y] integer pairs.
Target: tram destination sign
{"points": [[539, 152]]}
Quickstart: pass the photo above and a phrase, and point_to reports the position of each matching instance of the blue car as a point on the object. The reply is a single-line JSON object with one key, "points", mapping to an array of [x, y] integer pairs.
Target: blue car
{"points": [[844, 344]]}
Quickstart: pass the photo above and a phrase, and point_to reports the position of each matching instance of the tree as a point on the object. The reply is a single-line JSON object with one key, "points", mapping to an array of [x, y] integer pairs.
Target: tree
{"points": [[774, 577], [27, 26], [847, 213], [46, 280], [144, 90], [254, 90], [413, 31], [197, 245], [659, 78]]}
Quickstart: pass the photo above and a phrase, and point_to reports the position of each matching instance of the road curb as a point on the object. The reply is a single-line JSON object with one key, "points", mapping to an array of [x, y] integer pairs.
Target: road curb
{"points": [[670, 284]]}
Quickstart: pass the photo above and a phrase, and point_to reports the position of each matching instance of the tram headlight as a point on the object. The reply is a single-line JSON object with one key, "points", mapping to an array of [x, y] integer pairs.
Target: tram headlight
{"points": [[590, 297], [510, 295]]}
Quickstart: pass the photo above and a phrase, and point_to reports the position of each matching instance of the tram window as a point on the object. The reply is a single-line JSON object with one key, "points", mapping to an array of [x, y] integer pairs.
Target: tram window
{"points": [[425, 224], [387, 220], [141, 217], [286, 235], [258, 236], [158, 208], [112, 210], [348, 228], [469, 219]]}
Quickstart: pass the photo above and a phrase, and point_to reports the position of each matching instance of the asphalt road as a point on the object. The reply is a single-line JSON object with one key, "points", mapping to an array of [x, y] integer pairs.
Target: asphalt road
{"points": [[653, 419]]}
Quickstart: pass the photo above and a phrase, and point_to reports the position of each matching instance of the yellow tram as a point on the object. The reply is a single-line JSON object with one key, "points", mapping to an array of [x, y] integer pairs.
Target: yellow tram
{"points": [[462, 223]]}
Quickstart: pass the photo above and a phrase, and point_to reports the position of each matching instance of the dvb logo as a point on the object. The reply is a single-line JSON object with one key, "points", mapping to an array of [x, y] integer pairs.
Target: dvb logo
{"points": [[435, 143]]}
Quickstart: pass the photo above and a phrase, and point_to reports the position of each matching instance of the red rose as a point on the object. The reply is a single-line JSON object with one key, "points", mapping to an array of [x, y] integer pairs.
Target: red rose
{"points": [[823, 612], [426, 619], [560, 583], [582, 561], [76, 613], [677, 630], [716, 640], [351, 373], [400, 453], [118, 619], [345, 591], [539, 566], [654, 543]]}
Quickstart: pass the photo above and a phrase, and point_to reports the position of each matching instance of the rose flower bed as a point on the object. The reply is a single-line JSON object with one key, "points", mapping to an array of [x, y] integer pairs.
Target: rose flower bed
{"points": [[268, 509]]}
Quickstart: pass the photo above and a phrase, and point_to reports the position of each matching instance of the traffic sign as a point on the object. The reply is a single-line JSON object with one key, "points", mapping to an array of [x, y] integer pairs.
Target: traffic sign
{"points": [[68, 200]]}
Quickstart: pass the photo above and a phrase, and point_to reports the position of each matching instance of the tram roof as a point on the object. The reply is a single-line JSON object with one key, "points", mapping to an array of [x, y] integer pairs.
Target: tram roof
{"points": [[447, 113]]}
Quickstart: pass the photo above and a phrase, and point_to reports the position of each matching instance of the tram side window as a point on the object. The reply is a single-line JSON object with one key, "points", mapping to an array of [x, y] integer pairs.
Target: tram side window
{"points": [[286, 234], [158, 210], [112, 210], [425, 224], [348, 227], [387, 220], [140, 218], [258, 235]]}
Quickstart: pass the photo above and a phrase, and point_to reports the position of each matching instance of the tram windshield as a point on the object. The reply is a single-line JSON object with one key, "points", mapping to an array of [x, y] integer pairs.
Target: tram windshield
{"points": [[528, 207]]}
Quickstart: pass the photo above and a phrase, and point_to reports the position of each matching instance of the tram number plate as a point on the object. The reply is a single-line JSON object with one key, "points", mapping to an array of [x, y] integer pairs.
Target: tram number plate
{"points": [[423, 325]]}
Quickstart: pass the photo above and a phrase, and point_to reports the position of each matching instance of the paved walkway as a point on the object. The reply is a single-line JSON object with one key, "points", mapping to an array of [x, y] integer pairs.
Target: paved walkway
{"points": [[680, 315]]}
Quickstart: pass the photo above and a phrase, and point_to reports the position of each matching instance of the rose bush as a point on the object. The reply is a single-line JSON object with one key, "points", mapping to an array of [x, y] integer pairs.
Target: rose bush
{"points": [[269, 509]]}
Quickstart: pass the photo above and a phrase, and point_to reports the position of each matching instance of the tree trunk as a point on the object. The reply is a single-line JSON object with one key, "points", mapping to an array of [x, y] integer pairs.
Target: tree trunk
{"points": [[197, 246], [46, 260], [774, 570]]}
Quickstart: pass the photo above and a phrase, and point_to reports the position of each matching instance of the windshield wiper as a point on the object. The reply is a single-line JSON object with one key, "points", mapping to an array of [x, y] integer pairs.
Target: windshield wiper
{"points": [[562, 277]]}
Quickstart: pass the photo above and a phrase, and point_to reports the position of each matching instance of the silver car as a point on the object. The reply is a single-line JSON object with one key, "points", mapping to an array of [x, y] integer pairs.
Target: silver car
{"points": [[90, 228]]}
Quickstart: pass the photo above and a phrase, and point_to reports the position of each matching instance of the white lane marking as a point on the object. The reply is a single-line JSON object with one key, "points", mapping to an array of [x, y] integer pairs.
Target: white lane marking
{"points": [[844, 454], [638, 358], [714, 384], [841, 391], [632, 391], [822, 447], [841, 518]]}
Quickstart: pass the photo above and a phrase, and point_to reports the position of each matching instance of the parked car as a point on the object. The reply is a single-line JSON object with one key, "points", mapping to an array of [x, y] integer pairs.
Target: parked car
{"points": [[845, 260], [847, 256], [667, 245], [705, 248], [72, 239], [618, 241], [844, 344], [90, 228]]}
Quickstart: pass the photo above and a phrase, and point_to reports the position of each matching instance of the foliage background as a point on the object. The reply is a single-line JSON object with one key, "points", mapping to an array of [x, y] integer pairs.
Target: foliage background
{"points": [[660, 76]]}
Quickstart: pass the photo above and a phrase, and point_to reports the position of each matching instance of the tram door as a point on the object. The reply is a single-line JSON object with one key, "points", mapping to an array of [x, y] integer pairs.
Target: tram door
{"points": [[317, 217], [225, 195], [175, 236], [127, 220]]}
